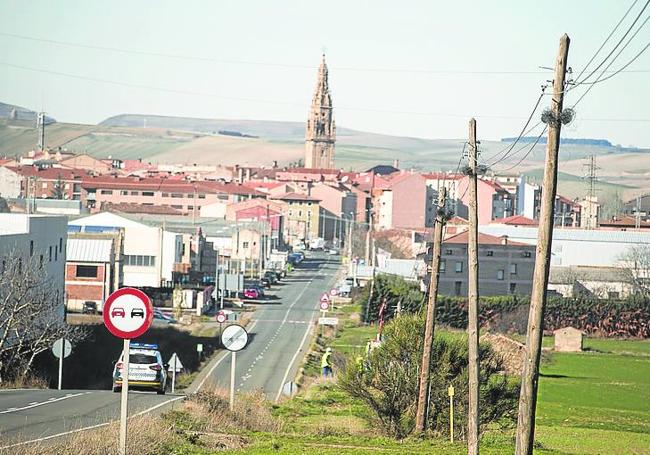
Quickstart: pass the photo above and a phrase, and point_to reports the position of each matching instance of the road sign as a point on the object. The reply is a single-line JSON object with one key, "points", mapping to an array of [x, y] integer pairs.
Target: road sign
{"points": [[58, 346], [221, 317], [325, 297], [199, 347], [324, 305], [234, 338], [328, 321], [334, 292], [175, 363], [128, 313]]}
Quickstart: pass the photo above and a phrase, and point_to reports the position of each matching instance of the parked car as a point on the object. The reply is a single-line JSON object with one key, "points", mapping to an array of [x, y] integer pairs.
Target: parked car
{"points": [[271, 276], [89, 307], [258, 287], [265, 282], [333, 252], [251, 293], [159, 316], [146, 369]]}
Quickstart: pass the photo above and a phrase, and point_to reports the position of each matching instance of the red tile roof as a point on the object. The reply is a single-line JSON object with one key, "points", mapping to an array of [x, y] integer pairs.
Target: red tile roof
{"points": [[624, 222], [442, 176], [483, 239], [158, 184], [51, 173], [516, 220], [296, 197], [125, 207], [306, 170]]}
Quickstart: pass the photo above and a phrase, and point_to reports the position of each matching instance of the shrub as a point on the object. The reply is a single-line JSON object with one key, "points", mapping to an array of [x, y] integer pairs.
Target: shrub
{"points": [[388, 379]]}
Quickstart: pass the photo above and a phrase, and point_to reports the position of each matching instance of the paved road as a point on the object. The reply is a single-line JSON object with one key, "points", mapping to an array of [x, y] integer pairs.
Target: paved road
{"points": [[36, 414], [279, 332]]}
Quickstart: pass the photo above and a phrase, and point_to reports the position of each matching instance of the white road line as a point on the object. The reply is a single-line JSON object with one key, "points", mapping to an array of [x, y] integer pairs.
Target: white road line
{"points": [[293, 359], [49, 401], [89, 427], [214, 367]]}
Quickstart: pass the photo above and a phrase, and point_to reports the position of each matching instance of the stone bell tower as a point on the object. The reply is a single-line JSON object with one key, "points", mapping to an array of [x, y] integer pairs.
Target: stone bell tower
{"points": [[321, 130]]}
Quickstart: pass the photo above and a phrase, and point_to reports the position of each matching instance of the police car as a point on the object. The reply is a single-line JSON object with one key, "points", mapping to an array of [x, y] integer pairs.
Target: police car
{"points": [[146, 369]]}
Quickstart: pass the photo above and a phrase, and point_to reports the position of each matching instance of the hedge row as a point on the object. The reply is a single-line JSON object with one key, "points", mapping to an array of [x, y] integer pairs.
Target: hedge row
{"points": [[605, 318]]}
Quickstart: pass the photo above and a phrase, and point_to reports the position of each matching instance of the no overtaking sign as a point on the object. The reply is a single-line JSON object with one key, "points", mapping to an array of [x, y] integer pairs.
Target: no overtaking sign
{"points": [[128, 313]]}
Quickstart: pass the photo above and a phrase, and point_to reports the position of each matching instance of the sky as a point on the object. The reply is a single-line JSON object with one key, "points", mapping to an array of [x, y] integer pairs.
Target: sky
{"points": [[409, 68]]}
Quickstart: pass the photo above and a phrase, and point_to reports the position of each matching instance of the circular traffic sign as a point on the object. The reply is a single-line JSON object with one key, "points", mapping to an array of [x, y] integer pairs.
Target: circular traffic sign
{"points": [[234, 337], [334, 292], [324, 305], [58, 346], [128, 313], [325, 297], [221, 317]]}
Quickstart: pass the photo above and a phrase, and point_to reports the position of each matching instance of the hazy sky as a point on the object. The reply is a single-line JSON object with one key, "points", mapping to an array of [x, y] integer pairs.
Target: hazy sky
{"points": [[396, 67]]}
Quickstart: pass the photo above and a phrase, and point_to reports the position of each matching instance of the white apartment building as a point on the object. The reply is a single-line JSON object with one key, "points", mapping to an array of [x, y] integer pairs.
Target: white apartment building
{"points": [[150, 252], [38, 238]]}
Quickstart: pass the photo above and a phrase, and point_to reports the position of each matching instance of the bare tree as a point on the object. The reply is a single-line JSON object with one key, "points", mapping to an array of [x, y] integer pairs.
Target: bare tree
{"points": [[636, 268], [31, 314]]}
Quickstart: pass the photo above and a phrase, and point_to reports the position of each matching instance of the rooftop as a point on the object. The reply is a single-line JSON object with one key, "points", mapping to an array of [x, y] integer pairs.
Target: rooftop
{"points": [[483, 239]]}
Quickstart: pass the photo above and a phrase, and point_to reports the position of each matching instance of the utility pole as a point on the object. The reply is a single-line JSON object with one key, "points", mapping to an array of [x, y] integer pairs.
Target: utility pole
{"points": [[591, 191], [420, 418], [368, 239], [472, 299], [40, 124], [530, 374], [637, 214]]}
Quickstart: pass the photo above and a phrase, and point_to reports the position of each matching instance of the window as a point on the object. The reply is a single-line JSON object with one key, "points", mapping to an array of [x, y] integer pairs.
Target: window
{"points": [[139, 261], [67, 186], [201, 196], [60, 244], [449, 252], [177, 206], [527, 254], [105, 191], [513, 269], [458, 286], [244, 245], [135, 193], [459, 267], [50, 255], [190, 207], [165, 195], [177, 195], [31, 248], [223, 197], [86, 271], [76, 188], [500, 274], [147, 193], [44, 185], [124, 193], [308, 213], [290, 213], [299, 213], [443, 266], [613, 295], [489, 253], [513, 288]]}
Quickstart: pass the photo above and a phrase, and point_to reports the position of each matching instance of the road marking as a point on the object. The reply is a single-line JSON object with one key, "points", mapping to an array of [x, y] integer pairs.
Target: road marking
{"points": [[91, 427], [214, 367], [293, 359], [36, 404]]}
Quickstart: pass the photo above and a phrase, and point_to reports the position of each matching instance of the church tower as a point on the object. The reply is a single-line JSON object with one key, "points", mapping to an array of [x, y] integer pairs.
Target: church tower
{"points": [[321, 129]]}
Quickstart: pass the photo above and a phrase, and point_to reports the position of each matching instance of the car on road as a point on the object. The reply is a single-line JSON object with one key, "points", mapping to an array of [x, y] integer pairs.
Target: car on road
{"points": [[251, 293], [139, 312], [258, 287], [333, 252], [89, 307], [159, 316], [118, 311], [264, 281], [146, 369]]}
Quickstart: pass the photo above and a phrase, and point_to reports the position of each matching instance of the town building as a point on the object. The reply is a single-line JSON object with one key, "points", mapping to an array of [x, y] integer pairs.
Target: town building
{"points": [[41, 182], [93, 267], [494, 201], [321, 129], [39, 241], [505, 267], [150, 252], [302, 217], [400, 201]]}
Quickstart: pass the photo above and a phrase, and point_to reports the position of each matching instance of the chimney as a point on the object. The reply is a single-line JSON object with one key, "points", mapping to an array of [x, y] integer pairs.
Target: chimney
{"points": [[504, 240], [275, 164], [396, 163], [248, 174]]}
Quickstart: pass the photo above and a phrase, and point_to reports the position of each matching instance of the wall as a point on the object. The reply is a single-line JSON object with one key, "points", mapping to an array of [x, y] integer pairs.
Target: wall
{"points": [[409, 202], [9, 183]]}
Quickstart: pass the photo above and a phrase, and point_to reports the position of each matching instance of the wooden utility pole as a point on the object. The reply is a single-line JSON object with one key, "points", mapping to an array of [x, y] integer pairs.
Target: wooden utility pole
{"points": [[472, 299], [530, 373], [420, 418]]}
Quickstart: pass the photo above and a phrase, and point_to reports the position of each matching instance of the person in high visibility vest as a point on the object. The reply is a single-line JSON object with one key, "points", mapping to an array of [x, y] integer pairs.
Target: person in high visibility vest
{"points": [[326, 363]]}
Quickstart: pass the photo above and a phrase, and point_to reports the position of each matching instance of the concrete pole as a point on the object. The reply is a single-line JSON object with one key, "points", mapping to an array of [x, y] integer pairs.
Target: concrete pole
{"points": [[530, 374], [124, 399], [233, 360], [472, 300], [420, 417]]}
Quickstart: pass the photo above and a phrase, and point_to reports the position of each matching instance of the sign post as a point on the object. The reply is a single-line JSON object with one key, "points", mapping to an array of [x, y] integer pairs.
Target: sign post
{"points": [[61, 348], [127, 314], [450, 390], [234, 338], [175, 366]]}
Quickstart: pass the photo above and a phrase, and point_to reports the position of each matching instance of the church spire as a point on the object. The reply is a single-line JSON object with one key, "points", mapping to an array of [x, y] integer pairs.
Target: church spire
{"points": [[321, 129]]}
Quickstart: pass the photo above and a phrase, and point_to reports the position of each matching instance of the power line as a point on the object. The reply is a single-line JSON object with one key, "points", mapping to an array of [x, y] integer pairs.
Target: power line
{"points": [[269, 64], [593, 57], [527, 153], [619, 42]]}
